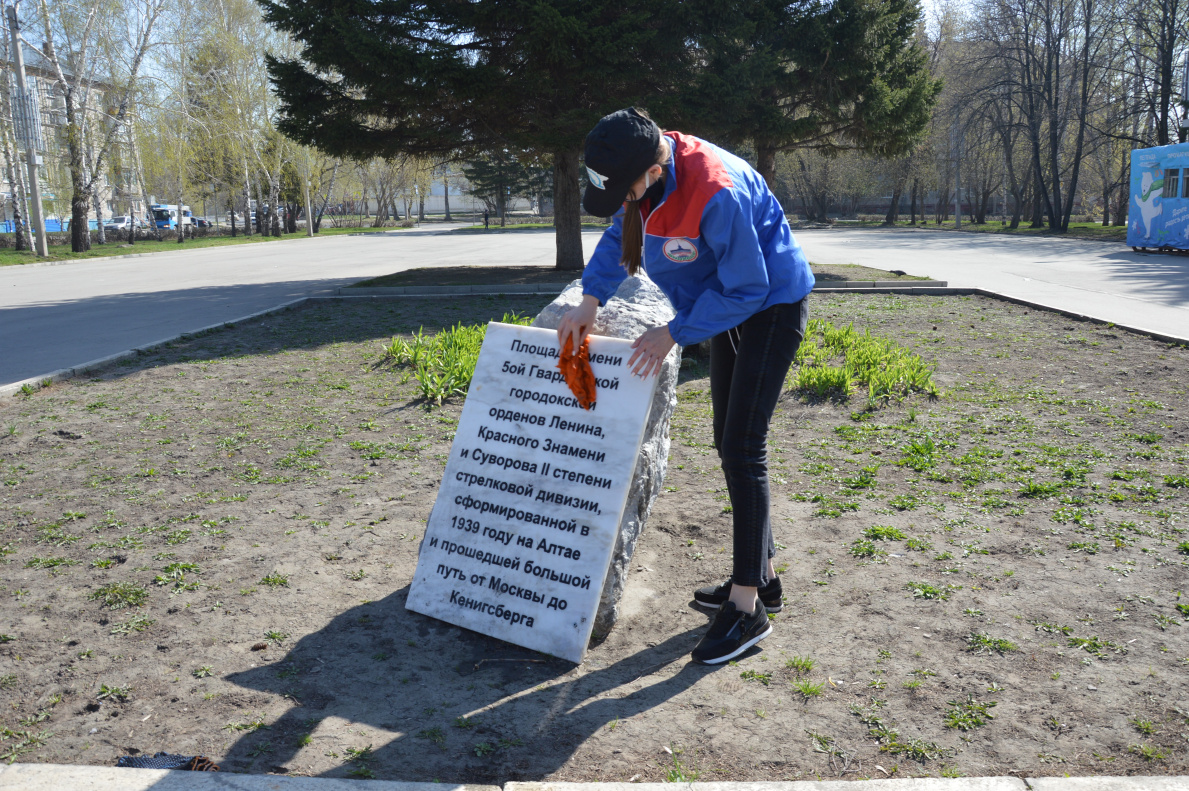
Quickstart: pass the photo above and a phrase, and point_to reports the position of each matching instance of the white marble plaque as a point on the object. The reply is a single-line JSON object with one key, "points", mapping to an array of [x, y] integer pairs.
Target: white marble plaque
{"points": [[519, 539]]}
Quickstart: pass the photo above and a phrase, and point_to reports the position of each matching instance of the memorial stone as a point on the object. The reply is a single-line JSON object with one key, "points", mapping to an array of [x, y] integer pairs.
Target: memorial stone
{"points": [[637, 305], [528, 514]]}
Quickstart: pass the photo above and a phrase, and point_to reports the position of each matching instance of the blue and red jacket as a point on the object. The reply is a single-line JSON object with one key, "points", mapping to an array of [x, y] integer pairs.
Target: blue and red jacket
{"points": [[717, 244]]}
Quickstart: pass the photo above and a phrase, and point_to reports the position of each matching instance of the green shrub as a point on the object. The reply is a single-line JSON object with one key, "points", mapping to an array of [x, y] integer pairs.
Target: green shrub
{"points": [[444, 364], [887, 370]]}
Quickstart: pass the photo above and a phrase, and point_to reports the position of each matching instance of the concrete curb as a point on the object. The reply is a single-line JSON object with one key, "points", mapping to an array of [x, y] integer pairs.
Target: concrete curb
{"points": [[1109, 783], [55, 777], [36, 264], [443, 291], [61, 374], [61, 777], [837, 285], [553, 288], [897, 784], [982, 292]]}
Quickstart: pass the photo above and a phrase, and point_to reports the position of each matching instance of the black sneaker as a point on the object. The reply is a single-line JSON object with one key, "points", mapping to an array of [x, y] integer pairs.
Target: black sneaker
{"points": [[712, 597], [731, 633]]}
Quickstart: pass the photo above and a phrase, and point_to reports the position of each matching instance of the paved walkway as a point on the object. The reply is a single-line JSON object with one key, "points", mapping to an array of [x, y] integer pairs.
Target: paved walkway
{"points": [[60, 316], [1105, 280]]}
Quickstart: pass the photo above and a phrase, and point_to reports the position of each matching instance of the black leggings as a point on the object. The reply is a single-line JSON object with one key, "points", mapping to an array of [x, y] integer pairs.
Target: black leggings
{"points": [[748, 365]]}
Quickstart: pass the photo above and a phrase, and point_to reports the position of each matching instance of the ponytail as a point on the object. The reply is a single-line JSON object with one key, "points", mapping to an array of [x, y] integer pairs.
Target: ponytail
{"points": [[632, 231], [632, 238]]}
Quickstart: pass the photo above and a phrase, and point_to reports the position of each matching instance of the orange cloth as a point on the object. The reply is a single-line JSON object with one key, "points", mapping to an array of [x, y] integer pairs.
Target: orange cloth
{"points": [[576, 369]]}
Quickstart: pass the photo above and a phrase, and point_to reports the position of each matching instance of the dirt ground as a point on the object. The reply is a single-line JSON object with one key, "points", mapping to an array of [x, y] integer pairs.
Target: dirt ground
{"points": [[255, 497], [506, 275]]}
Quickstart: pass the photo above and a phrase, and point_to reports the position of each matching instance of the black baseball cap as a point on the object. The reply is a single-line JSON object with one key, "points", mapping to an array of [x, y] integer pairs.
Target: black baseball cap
{"points": [[618, 150]]}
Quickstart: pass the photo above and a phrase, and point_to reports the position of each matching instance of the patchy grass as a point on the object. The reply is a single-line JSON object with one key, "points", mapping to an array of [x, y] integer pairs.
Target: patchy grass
{"points": [[444, 362], [292, 448]]}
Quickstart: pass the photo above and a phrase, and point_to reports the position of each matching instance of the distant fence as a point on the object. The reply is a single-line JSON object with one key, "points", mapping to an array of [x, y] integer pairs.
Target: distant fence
{"points": [[51, 226]]}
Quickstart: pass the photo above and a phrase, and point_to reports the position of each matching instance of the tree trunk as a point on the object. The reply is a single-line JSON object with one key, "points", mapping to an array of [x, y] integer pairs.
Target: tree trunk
{"points": [[567, 211], [101, 234], [1122, 204], [144, 191], [420, 207], [766, 161], [1106, 207], [232, 202], [80, 233], [181, 220], [329, 191], [96, 198], [18, 230], [1037, 213], [274, 199], [446, 196], [912, 200], [247, 202], [381, 209], [894, 210], [260, 210]]}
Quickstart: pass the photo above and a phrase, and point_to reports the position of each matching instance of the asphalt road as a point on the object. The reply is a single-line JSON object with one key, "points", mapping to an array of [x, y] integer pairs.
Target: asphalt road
{"points": [[55, 317], [60, 316], [1105, 280]]}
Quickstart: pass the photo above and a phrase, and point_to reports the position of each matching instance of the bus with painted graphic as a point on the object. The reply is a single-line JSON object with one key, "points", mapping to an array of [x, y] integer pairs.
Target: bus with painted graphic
{"points": [[1158, 216], [165, 215]]}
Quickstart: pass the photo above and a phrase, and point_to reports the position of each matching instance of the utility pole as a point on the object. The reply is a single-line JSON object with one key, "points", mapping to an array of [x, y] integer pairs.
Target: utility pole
{"points": [[29, 131]]}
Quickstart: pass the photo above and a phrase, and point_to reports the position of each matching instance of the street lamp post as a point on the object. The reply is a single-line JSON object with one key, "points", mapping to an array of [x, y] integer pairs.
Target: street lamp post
{"points": [[28, 109]]}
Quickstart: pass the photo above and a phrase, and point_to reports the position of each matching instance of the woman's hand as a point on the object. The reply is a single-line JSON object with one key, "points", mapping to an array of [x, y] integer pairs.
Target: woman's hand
{"points": [[577, 322], [651, 348]]}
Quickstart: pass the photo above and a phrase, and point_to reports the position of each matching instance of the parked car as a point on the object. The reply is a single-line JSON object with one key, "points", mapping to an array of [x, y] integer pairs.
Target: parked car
{"points": [[202, 223], [123, 223]]}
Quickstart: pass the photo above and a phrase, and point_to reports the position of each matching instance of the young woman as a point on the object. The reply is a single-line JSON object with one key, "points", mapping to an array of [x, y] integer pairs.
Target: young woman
{"points": [[708, 231]]}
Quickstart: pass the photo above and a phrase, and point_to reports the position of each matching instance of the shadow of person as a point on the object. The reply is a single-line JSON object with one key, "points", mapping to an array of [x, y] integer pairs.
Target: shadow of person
{"points": [[463, 707]]}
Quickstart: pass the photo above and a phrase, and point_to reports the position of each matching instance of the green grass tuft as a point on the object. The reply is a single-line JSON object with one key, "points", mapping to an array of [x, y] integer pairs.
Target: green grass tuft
{"points": [[118, 595], [985, 644], [923, 590], [883, 533]]}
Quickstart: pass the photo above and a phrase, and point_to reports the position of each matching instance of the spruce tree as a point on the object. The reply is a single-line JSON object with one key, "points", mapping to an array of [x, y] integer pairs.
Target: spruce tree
{"points": [[823, 75], [400, 77]]}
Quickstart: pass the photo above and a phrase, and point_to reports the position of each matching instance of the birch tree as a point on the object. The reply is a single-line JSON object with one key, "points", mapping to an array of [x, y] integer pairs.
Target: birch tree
{"points": [[86, 41]]}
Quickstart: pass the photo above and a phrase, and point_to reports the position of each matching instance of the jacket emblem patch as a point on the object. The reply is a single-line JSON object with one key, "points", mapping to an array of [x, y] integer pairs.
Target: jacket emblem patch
{"points": [[681, 250]]}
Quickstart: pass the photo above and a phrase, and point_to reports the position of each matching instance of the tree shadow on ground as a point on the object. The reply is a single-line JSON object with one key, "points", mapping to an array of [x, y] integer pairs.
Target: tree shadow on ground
{"points": [[464, 707], [310, 326]]}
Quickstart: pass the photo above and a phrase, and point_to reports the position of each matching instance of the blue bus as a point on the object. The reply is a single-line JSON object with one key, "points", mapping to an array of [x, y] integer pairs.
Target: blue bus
{"points": [[165, 215]]}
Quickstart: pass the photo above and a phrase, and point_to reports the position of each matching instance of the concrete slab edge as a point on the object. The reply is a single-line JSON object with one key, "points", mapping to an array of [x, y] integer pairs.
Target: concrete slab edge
{"points": [[53, 777], [897, 784], [416, 291], [552, 288], [58, 777], [37, 382], [982, 292]]}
